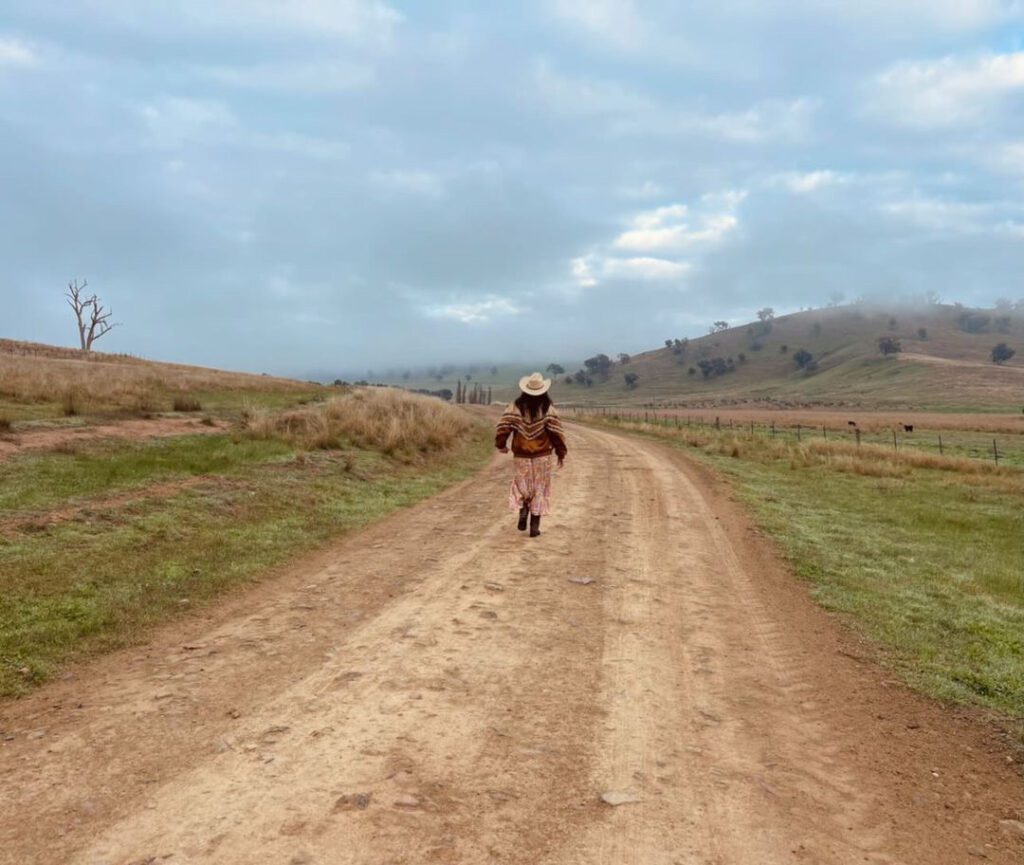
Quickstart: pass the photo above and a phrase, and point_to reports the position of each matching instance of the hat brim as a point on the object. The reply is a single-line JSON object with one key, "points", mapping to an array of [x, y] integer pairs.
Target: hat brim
{"points": [[524, 382]]}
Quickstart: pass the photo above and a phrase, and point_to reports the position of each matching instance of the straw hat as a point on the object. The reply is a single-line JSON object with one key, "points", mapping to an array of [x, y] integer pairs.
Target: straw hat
{"points": [[534, 384]]}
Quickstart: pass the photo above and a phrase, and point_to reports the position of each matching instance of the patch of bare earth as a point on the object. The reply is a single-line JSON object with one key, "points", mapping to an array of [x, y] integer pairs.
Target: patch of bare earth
{"points": [[132, 430], [644, 683]]}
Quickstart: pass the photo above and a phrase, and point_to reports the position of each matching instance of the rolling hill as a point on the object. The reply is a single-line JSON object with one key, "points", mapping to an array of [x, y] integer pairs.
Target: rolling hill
{"points": [[944, 363], [44, 382]]}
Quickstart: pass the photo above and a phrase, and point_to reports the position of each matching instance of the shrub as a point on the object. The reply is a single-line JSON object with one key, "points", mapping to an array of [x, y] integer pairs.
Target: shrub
{"points": [[186, 403], [803, 358], [631, 379], [889, 345], [1002, 352], [922, 333], [783, 348], [71, 403]]}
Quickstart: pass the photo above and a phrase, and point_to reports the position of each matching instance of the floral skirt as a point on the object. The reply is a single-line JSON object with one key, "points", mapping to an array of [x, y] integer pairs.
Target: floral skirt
{"points": [[531, 484]]}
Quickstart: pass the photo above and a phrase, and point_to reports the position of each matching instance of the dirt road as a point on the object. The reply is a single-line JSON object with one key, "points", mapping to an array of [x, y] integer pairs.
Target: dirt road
{"points": [[438, 689]]}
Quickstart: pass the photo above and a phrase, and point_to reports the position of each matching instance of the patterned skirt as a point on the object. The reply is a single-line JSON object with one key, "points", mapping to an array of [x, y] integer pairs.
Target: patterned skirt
{"points": [[531, 484]]}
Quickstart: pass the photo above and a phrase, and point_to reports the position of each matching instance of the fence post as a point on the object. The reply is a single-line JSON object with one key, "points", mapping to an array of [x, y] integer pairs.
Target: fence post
{"points": [[718, 423], [824, 432], [798, 432], [940, 446], [751, 429], [857, 430], [895, 446], [995, 452], [773, 429]]}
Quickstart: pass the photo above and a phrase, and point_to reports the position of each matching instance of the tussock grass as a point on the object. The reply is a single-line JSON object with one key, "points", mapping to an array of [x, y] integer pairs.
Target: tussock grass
{"points": [[920, 552], [186, 403], [390, 421]]}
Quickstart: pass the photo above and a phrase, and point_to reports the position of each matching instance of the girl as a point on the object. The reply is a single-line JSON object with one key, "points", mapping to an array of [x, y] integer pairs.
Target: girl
{"points": [[537, 440]]}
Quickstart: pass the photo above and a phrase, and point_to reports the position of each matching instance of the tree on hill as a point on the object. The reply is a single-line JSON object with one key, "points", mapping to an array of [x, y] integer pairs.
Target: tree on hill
{"points": [[922, 333], [803, 358], [766, 314], [555, 369], [631, 379], [599, 365], [1002, 353], [92, 318], [668, 343], [719, 326], [971, 322], [889, 345], [624, 358]]}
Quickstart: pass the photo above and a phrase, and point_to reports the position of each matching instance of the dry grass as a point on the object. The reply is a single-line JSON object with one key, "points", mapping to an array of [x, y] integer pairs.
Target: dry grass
{"points": [[77, 383], [868, 460], [868, 421], [394, 422], [186, 403]]}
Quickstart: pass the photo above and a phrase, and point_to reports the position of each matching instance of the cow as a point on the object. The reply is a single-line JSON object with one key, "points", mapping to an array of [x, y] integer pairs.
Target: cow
{"points": [[908, 427]]}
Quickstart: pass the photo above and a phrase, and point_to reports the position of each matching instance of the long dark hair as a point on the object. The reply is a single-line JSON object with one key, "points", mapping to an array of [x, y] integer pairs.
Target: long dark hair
{"points": [[533, 407]]}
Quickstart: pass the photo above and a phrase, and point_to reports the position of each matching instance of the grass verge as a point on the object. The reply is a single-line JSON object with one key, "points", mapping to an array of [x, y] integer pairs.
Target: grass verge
{"points": [[119, 567], [921, 554]]}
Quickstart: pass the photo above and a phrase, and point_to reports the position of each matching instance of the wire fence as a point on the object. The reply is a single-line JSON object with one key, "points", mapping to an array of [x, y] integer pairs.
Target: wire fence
{"points": [[1003, 450]]}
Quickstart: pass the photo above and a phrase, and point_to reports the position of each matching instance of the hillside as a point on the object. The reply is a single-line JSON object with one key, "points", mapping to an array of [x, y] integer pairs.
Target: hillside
{"points": [[945, 363], [40, 382]]}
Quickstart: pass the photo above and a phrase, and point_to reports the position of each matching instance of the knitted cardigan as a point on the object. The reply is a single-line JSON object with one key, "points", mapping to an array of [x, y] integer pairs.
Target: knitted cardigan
{"points": [[531, 438]]}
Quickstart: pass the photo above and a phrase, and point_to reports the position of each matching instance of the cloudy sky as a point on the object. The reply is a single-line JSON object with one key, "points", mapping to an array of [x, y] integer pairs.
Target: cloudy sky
{"points": [[327, 185]]}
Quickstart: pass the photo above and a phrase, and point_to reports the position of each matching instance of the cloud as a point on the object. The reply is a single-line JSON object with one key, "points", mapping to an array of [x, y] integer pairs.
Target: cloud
{"points": [[366, 21], [953, 91], [332, 76], [173, 121], [16, 53], [476, 311], [806, 182], [645, 268], [627, 112], [613, 22], [410, 182], [595, 268], [675, 228]]}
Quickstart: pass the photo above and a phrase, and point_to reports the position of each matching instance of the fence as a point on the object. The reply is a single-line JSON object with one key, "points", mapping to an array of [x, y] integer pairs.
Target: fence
{"points": [[1007, 449]]}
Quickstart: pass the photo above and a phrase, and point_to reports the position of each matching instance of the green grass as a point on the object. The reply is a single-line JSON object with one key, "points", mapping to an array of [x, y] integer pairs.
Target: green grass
{"points": [[37, 481], [106, 578], [926, 562]]}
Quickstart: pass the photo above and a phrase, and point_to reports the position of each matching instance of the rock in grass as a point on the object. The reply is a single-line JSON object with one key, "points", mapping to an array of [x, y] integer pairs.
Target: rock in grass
{"points": [[407, 801], [618, 797], [582, 581], [1012, 827], [353, 802]]}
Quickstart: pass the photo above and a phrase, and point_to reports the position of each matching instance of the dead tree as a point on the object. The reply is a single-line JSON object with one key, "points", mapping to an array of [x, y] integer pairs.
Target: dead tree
{"points": [[92, 318]]}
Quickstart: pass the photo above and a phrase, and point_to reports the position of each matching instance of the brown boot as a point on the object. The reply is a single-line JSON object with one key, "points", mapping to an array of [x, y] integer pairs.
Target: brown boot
{"points": [[534, 525], [524, 515]]}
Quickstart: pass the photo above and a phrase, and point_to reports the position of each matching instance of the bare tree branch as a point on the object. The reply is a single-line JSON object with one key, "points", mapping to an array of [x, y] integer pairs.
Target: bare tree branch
{"points": [[79, 305], [92, 318]]}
